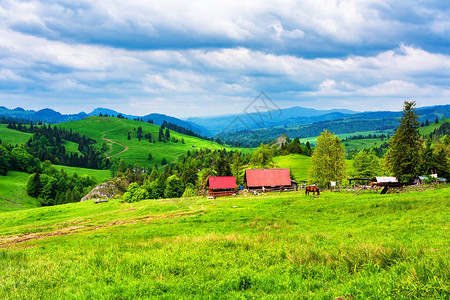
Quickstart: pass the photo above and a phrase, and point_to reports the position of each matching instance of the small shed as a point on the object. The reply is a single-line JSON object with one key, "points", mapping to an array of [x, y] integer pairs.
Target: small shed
{"points": [[222, 186], [269, 180], [382, 181]]}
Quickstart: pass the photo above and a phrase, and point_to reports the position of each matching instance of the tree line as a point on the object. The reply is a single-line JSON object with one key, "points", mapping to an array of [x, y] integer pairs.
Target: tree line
{"points": [[47, 143], [408, 155]]}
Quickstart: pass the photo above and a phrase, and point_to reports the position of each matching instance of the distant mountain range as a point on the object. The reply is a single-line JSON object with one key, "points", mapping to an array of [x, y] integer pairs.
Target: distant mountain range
{"points": [[269, 119], [296, 121], [50, 116], [339, 123], [295, 117]]}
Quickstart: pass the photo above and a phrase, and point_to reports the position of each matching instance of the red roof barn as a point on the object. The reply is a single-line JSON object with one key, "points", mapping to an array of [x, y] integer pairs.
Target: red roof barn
{"points": [[268, 178], [222, 186]]}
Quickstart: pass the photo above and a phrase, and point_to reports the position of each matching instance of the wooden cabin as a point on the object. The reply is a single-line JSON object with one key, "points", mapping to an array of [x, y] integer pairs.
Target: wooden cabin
{"points": [[222, 186], [267, 180]]}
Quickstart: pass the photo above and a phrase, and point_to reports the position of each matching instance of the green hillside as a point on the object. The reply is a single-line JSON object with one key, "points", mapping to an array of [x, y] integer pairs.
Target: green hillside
{"points": [[287, 246], [426, 130], [297, 163], [100, 175], [13, 137], [13, 195], [116, 130]]}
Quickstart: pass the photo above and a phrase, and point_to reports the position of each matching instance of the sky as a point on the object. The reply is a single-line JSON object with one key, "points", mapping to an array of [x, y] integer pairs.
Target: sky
{"points": [[197, 58]]}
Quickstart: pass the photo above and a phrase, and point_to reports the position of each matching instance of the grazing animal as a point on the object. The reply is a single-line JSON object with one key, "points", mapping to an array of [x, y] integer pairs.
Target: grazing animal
{"points": [[312, 189]]}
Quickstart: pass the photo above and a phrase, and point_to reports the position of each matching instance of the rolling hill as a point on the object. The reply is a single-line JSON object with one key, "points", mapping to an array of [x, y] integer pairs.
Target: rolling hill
{"points": [[134, 151]]}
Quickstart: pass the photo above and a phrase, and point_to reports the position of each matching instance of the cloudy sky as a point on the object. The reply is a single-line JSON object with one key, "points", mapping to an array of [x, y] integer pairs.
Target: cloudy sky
{"points": [[193, 58]]}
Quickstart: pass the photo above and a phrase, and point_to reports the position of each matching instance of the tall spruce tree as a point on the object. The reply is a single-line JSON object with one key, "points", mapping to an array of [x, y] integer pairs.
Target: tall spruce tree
{"points": [[405, 145]]}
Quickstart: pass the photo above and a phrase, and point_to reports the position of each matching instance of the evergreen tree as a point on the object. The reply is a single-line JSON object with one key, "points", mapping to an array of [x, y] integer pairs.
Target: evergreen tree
{"points": [[427, 161], [441, 163], [167, 134], [222, 167], [436, 121], [139, 133], [405, 145], [129, 135], [308, 147], [237, 168], [160, 135], [4, 160], [295, 146], [328, 160], [427, 122]]}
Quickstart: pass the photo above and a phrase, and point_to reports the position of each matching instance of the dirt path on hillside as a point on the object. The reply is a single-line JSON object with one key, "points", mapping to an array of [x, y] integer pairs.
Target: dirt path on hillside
{"points": [[13, 240], [111, 141]]}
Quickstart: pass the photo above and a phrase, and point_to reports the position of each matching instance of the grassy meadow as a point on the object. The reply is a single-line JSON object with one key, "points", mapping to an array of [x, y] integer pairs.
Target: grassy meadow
{"points": [[117, 130], [13, 137], [297, 164], [426, 130], [278, 246], [13, 194], [100, 175]]}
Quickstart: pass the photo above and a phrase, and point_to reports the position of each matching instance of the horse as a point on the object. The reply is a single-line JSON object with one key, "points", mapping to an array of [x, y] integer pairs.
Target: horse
{"points": [[312, 189]]}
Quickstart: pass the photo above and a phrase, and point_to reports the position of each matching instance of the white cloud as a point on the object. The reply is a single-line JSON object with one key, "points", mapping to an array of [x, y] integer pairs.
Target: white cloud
{"points": [[218, 54]]}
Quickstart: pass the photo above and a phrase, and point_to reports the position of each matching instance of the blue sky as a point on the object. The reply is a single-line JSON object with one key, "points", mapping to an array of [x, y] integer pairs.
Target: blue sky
{"points": [[193, 58]]}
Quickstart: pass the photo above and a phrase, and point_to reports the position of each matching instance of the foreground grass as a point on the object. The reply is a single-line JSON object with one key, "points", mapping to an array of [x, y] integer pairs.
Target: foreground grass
{"points": [[278, 246], [13, 194]]}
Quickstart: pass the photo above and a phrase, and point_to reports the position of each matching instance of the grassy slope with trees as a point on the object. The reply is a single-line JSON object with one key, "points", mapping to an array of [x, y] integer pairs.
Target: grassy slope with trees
{"points": [[117, 130], [13, 137], [13, 193], [297, 163], [277, 246]]}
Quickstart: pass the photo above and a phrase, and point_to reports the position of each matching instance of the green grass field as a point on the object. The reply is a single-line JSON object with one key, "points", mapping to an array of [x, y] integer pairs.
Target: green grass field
{"points": [[117, 130], [13, 137], [13, 195], [100, 175], [429, 129], [287, 246], [296, 163]]}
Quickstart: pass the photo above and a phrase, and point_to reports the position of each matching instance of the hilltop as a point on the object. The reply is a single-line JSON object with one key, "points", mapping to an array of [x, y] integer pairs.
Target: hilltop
{"points": [[116, 130]]}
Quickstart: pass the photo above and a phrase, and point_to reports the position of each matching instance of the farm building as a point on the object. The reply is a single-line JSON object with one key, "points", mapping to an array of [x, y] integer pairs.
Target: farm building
{"points": [[270, 180], [222, 186], [382, 181]]}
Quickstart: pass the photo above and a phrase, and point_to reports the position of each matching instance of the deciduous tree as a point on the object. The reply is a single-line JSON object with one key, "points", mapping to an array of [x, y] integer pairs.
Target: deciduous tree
{"points": [[327, 160]]}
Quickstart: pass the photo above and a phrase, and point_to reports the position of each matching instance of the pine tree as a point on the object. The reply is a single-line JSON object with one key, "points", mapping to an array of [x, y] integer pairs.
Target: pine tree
{"points": [[426, 162], [436, 121], [237, 168], [328, 160], [167, 134], [405, 145]]}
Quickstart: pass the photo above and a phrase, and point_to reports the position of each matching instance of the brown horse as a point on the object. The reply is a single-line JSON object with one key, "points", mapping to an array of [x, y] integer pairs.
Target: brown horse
{"points": [[312, 189]]}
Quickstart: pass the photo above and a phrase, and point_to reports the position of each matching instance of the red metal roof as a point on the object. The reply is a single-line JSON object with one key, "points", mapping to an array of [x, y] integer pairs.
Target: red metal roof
{"points": [[267, 177], [222, 182]]}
